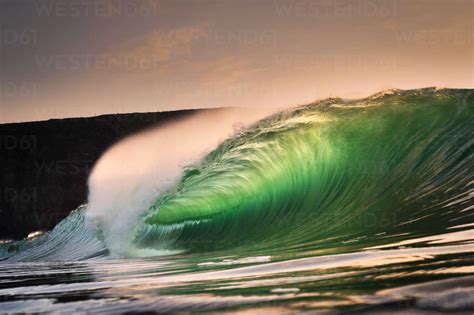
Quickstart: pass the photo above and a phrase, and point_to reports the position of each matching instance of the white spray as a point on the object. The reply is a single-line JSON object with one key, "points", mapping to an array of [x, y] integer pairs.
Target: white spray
{"points": [[132, 173]]}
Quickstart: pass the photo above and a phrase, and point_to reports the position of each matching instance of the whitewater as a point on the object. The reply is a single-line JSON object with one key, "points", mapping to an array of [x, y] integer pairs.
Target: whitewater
{"points": [[351, 206]]}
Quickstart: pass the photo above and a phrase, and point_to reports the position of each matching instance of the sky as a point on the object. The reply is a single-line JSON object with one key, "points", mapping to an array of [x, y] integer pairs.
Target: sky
{"points": [[76, 58]]}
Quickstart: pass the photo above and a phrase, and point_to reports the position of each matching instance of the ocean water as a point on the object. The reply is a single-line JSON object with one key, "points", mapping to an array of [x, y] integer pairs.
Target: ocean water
{"points": [[361, 206]]}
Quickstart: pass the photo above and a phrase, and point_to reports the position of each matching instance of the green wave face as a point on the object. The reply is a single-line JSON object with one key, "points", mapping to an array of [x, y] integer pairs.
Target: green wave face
{"points": [[397, 163]]}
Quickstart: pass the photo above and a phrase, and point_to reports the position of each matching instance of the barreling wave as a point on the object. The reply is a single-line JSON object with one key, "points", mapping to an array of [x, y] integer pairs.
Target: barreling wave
{"points": [[336, 174], [397, 163]]}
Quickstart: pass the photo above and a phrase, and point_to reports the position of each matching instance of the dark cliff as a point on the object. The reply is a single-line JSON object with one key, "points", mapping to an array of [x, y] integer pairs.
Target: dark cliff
{"points": [[45, 165]]}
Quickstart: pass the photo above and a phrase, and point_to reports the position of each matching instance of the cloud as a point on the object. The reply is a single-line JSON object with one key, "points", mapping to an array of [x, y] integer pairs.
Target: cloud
{"points": [[155, 50], [227, 70]]}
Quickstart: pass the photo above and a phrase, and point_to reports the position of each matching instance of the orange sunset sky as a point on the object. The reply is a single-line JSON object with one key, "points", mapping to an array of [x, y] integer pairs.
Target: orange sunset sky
{"points": [[84, 58]]}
